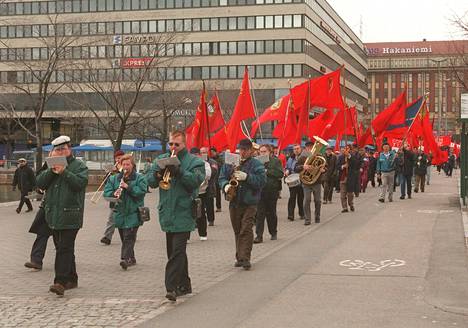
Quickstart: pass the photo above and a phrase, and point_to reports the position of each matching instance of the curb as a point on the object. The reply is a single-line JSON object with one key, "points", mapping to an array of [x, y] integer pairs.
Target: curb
{"points": [[464, 213]]}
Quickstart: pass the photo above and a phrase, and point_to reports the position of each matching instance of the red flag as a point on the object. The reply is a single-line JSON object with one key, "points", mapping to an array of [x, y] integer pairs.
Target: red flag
{"points": [[285, 131], [243, 110], [197, 132], [430, 144], [322, 125], [343, 122], [395, 109], [215, 115], [366, 138], [275, 112], [219, 140]]}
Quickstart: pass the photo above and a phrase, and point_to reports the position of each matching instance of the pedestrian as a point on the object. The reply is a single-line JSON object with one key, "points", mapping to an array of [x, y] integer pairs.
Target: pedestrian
{"points": [[251, 178], [110, 227], [314, 189], [210, 194], [329, 176], [219, 159], [65, 188], [296, 193], [372, 168], [348, 165], [405, 164], [429, 169], [420, 170], [25, 180], [359, 153], [176, 215], [364, 171], [450, 164], [269, 196], [386, 171], [202, 193], [42, 231], [130, 188]]}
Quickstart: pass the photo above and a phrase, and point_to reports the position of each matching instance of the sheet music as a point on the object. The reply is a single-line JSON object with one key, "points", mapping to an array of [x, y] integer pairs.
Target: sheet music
{"points": [[56, 160], [263, 158], [163, 162], [232, 159]]}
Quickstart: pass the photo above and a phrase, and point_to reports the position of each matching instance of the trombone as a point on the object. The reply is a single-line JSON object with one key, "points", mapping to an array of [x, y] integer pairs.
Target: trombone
{"points": [[99, 192]]}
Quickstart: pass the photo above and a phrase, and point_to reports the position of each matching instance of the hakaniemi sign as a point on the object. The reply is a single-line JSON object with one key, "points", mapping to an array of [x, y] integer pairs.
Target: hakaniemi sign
{"points": [[399, 50]]}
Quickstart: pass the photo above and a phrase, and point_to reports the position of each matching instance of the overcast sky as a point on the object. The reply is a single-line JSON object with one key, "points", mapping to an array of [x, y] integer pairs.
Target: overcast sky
{"points": [[401, 20]]}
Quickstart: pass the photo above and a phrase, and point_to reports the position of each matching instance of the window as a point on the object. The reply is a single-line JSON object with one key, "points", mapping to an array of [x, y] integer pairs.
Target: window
{"points": [[196, 24], [278, 21], [223, 50], [297, 70], [223, 22], [268, 21], [288, 46], [153, 27], [260, 71], [232, 23], [241, 23], [260, 46], [214, 24], [232, 48], [215, 72], [260, 22], [297, 45], [250, 22], [205, 24], [278, 70], [297, 19], [278, 46], [205, 72], [233, 72], [287, 70], [241, 47], [196, 49], [269, 70], [250, 47], [269, 46], [205, 48], [187, 49]]}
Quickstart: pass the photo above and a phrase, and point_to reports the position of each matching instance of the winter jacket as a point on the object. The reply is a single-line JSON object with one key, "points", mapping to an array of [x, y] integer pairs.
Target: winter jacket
{"points": [[24, 178], [386, 163], [274, 174]]}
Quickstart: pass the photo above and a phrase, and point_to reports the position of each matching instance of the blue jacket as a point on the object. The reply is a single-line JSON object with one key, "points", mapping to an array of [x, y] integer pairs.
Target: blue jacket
{"points": [[291, 164], [386, 164], [249, 191]]}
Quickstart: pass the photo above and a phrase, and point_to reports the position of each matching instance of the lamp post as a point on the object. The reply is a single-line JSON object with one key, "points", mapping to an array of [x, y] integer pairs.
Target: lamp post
{"points": [[439, 116]]}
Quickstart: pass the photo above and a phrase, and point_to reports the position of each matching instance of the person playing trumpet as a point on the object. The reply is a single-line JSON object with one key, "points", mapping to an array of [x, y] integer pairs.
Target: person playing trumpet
{"points": [[178, 189], [130, 188], [110, 227], [251, 179]]}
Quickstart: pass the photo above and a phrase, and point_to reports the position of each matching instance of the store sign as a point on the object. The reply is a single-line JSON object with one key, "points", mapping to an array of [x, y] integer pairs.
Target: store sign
{"points": [[331, 33], [134, 39], [398, 50], [135, 62], [464, 106]]}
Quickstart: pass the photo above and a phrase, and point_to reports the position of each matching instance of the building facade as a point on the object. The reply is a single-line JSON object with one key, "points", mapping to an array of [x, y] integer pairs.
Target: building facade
{"points": [[438, 68], [192, 40]]}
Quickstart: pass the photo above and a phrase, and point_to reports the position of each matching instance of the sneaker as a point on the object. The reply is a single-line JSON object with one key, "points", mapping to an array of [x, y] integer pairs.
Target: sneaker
{"points": [[351, 208], [344, 210], [203, 238], [246, 265], [258, 240], [274, 237], [124, 264], [381, 200], [57, 289], [18, 211], [32, 265], [402, 197], [211, 223], [105, 241], [171, 296]]}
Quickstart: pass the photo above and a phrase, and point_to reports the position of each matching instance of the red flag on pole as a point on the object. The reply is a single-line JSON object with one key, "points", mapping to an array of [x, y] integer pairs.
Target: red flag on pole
{"points": [[215, 115], [243, 110], [275, 112], [285, 131], [197, 132]]}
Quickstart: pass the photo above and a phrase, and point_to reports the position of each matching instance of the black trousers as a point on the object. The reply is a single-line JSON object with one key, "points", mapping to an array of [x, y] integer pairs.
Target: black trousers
{"points": [[177, 264], [39, 248], [218, 197], [208, 207], [328, 189], [201, 221], [24, 200], [65, 267], [267, 210], [296, 194], [128, 237]]}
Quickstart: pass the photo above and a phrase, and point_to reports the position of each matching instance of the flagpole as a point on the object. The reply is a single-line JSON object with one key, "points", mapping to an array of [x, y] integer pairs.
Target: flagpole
{"points": [[207, 117], [287, 116], [308, 103], [252, 93], [344, 101], [417, 114]]}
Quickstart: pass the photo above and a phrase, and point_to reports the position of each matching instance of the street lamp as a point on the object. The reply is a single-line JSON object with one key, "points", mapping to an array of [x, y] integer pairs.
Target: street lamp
{"points": [[438, 62]]}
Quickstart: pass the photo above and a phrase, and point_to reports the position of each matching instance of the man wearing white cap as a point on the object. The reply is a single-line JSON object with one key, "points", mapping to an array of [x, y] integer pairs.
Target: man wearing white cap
{"points": [[25, 180], [65, 187]]}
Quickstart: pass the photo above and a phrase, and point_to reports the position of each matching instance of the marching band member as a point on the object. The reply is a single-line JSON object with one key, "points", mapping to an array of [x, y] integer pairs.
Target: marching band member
{"points": [[329, 176], [420, 169], [364, 171], [296, 193], [130, 188], [110, 228], [219, 160], [269, 196], [405, 164], [348, 172], [243, 207], [386, 171], [208, 205], [65, 189], [175, 210]]}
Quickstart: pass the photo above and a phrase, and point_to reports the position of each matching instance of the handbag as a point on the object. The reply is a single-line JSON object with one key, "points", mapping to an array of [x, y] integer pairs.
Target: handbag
{"points": [[144, 214], [196, 208]]}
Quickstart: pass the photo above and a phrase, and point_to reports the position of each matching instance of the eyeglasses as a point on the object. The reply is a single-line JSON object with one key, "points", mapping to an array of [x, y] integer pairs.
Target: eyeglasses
{"points": [[175, 144]]}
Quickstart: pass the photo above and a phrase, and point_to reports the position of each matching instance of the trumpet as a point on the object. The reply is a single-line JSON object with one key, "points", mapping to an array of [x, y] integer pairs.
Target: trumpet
{"points": [[98, 193], [165, 183]]}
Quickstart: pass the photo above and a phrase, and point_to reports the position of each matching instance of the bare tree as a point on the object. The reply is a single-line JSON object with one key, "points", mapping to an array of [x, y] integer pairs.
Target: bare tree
{"points": [[37, 84], [459, 63], [8, 128]]}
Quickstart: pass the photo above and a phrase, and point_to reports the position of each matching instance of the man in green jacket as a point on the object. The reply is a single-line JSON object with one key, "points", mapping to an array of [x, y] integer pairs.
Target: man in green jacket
{"points": [[65, 188], [250, 176], [269, 196], [175, 210]]}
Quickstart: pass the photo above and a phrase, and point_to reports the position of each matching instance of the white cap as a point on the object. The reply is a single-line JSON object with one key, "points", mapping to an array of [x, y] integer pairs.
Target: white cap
{"points": [[22, 160], [60, 141]]}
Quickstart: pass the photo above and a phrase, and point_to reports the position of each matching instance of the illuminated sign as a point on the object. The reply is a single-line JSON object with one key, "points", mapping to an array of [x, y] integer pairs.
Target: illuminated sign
{"points": [[398, 50], [135, 62]]}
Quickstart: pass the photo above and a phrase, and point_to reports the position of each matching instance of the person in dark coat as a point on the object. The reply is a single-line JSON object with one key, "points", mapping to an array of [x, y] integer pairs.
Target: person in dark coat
{"points": [[25, 180], [348, 166], [219, 159], [329, 176], [420, 170], [372, 168], [405, 166], [450, 164], [42, 231], [212, 186]]}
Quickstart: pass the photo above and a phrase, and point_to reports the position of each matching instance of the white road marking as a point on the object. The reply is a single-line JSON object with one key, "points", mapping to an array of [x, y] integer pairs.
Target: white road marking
{"points": [[370, 266]]}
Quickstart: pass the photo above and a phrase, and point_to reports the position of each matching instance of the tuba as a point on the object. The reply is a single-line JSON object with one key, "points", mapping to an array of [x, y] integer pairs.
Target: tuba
{"points": [[165, 182], [309, 177]]}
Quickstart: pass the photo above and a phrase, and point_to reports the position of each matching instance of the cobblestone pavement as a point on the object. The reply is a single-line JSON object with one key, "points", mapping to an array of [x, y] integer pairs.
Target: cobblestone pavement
{"points": [[108, 296]]}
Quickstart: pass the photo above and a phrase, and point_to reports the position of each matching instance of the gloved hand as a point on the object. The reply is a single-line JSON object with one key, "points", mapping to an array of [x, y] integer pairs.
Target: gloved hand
{"points": [[175, 170], [226, 188], [240, 176]]}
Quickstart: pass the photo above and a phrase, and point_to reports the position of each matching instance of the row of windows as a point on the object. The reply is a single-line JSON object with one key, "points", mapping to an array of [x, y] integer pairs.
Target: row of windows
{"points": [[153, 26], [155, 74], [85, 6], [161, 50]]}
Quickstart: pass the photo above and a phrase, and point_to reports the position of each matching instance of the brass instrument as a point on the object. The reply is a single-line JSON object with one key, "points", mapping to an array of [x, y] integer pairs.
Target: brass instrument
{"points": [[119, 190], [165, 183], [98, 193], [309, 177], [233, 184]]}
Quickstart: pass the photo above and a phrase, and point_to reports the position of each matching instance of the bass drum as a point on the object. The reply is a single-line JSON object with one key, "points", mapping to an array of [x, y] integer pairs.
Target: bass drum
{"points": [[293, 180]]}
